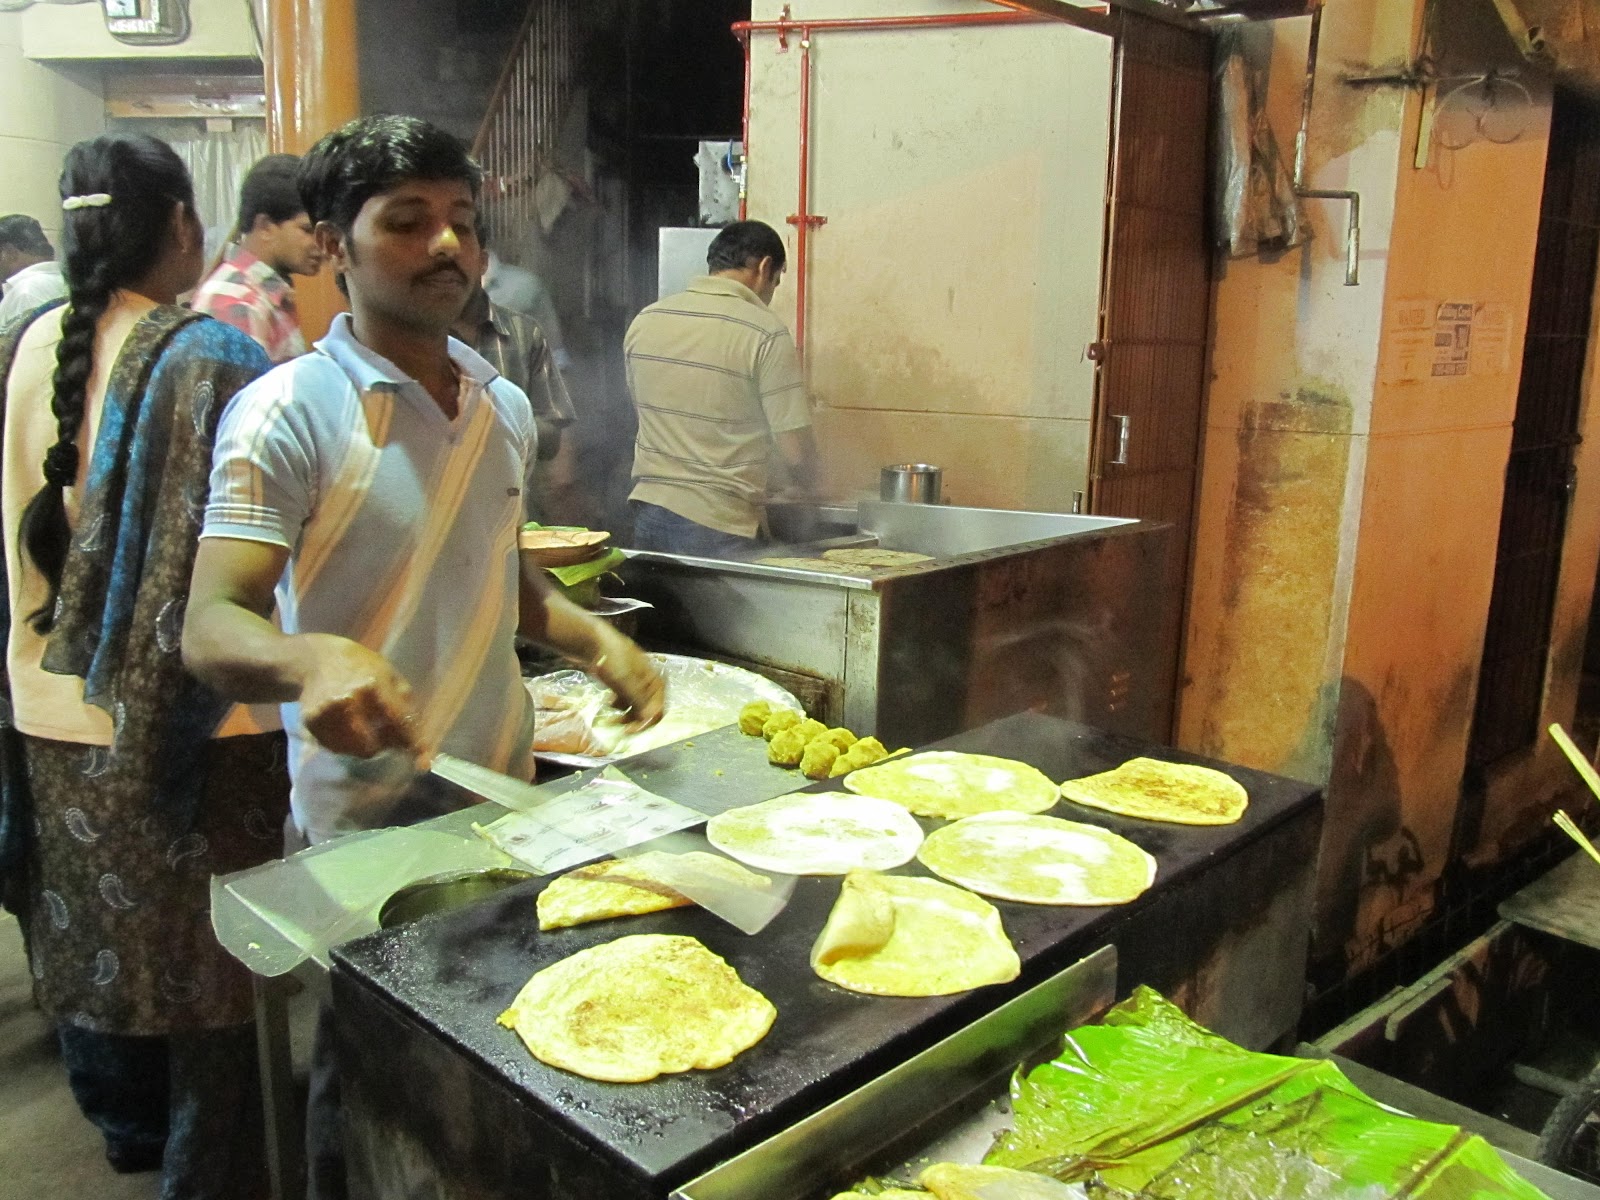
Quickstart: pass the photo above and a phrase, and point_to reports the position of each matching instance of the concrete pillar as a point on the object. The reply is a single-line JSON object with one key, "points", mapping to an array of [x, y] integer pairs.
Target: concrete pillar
{"points": [[313, 86]]}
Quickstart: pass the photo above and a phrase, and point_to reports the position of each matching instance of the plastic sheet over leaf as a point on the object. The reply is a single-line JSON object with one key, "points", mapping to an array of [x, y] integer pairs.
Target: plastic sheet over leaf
{"points": [[1148, 1104]]}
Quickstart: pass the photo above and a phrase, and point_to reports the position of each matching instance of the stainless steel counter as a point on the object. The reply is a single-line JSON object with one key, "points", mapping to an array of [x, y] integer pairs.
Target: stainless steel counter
{"points": [[1016, 611]]}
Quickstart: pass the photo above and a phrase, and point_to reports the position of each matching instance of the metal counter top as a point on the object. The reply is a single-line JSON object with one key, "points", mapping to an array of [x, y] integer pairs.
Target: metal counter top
{"points": [[448, 977]]}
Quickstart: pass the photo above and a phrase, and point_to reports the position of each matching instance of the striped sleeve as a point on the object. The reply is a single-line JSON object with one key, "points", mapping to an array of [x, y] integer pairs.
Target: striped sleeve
{"points": [[263, 471], [779, 382]]}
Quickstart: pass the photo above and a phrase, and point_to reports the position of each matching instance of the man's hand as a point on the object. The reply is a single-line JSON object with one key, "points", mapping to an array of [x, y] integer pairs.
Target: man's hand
{"points": [[352, 701], [627, 671]]}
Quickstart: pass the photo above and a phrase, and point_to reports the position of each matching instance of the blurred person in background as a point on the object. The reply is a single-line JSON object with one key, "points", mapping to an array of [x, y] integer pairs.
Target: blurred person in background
{"points": [[28, 268], [252, 288], [125, 784], [515, 345], [717, 385]]}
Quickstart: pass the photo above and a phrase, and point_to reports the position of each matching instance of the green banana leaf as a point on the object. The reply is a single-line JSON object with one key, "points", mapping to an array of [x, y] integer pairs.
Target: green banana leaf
{"points": [[1149, 1104]]}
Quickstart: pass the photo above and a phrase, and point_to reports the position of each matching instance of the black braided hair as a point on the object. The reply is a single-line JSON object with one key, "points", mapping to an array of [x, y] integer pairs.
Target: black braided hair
{"points": [[107, 247]]}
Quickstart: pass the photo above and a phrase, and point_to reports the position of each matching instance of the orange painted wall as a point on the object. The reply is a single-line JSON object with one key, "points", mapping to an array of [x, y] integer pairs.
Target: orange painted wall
{"points": [[1294, 359], [1465, 230], [1350, 502]]}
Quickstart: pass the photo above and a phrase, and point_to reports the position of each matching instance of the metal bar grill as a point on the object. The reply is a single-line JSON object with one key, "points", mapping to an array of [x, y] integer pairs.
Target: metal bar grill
{"points": [[517, 141]]}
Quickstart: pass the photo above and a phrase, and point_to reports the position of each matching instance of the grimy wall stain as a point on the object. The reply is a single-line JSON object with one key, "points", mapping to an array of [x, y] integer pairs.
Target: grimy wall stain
{"points": [[1281, 554]]}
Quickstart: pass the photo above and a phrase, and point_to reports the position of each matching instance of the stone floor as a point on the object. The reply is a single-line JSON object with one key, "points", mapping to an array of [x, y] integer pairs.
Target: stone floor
{"points": [[47, 1148]]}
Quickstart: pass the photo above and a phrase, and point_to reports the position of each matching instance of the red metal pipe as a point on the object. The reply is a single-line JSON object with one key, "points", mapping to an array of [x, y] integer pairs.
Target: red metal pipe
{"points": [[744, 144], [803, 219], [806, 27]]}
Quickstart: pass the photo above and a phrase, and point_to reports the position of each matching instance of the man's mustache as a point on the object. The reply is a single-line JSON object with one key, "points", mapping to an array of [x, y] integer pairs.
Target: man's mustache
{"points": [[443, 269]]}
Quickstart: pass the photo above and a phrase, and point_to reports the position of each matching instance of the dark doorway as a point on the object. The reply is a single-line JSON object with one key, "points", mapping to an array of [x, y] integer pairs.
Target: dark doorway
{"points": [[1540, 472]]}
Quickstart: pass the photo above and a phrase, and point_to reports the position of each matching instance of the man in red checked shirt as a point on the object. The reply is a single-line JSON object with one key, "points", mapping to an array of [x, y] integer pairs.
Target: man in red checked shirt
{"points": [[250, 288]]}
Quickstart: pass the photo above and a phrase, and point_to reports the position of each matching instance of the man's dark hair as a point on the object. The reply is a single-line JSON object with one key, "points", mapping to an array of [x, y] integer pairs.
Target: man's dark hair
{"points": [[270, 189], [745, 244], [25, 234], [373, 154]]}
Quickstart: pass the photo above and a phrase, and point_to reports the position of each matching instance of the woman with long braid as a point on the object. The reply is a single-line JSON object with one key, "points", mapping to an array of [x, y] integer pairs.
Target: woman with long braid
{"points": [[125, 784]]}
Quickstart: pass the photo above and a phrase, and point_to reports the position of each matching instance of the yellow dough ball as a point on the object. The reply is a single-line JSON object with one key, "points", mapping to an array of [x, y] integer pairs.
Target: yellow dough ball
{"points": [[819, 758], [810, 729], [753, 717], [841, 737], [868, 751], [786, 749], [784, 718]]}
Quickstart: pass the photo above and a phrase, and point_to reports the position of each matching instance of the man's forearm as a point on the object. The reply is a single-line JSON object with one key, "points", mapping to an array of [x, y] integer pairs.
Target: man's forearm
{"points": [[549, 618], [244, 656]]}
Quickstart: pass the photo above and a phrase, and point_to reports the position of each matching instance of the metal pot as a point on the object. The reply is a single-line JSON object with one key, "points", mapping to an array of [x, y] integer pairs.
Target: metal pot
{"points": [[910, 483]]}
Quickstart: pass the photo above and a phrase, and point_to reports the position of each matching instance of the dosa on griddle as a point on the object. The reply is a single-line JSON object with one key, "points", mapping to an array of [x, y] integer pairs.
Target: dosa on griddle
{"points": [[823, 833], [942, 939], [1038, 860], [629, 887], [1154, 790], [638, 1007], [949, 784]]}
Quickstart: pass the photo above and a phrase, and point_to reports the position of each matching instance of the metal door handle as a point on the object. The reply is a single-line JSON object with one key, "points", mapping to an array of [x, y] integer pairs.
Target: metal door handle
{"points": [[1120, 458]]}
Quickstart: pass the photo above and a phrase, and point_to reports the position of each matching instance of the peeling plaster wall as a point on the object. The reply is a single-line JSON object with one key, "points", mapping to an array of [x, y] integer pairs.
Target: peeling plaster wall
{"points": [[956, 282]]}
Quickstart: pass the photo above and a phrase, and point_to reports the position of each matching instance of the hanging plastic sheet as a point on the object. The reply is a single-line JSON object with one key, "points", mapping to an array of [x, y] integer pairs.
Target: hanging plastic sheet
{"points": [[1148, 1104], [1253, 187]]}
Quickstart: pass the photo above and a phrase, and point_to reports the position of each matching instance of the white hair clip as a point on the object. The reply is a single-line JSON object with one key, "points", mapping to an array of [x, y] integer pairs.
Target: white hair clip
{"points": [[92, 200]]}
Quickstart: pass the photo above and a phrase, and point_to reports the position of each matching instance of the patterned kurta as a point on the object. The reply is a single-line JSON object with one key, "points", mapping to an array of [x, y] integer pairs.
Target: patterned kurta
{"points": [[117, 843]]}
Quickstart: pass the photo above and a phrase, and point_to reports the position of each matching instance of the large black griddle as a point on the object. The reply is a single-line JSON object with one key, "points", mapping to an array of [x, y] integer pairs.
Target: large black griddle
{"points": [[437, 1089]]}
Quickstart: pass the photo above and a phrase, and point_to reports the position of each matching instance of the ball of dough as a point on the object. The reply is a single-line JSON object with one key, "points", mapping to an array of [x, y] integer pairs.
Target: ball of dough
{"points": [[753, 717], [784, 718], [818, 759], [841, 766], [786, 749], [810, 729], [868, 751], [841, 737]]}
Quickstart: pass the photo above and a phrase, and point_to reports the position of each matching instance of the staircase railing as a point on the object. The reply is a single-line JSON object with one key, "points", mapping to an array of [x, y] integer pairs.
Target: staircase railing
{"points": [[516, 141]]}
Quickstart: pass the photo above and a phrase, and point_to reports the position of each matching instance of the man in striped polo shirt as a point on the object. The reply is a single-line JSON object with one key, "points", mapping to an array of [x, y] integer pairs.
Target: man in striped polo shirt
{"points": [[371, 492], [716, 382]]}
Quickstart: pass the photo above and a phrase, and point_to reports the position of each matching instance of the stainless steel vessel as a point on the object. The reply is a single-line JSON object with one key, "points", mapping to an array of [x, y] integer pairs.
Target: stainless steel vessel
{"points": [[1052, 612], [910, 483]]}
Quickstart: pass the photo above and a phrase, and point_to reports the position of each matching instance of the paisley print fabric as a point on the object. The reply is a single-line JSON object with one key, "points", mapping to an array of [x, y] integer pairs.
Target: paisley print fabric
{"points": [[120, 937]]}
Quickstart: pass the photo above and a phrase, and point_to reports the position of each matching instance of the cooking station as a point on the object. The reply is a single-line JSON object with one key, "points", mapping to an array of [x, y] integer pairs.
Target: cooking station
{"points": [[443, 1102], [1058, 613]]}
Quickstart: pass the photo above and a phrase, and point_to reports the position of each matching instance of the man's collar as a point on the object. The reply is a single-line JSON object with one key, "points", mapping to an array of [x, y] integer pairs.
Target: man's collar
{"points": [[370, 371], [723, 285]]}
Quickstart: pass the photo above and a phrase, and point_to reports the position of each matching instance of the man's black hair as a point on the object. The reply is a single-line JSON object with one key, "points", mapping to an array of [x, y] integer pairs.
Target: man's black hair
{"points": [[270, 189], [25, 234], [745, 244], [373, 154]]}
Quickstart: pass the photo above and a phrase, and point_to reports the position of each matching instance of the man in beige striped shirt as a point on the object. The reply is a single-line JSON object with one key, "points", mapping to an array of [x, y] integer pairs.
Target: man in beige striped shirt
{"points": [[716, 382]]}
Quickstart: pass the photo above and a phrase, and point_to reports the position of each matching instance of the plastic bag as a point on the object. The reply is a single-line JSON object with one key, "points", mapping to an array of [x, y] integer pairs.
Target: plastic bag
{"points": [[576, 722]]}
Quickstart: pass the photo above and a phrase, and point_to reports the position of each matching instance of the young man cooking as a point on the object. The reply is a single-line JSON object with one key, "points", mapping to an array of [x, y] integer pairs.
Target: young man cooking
{"points": [[373, 490]]}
